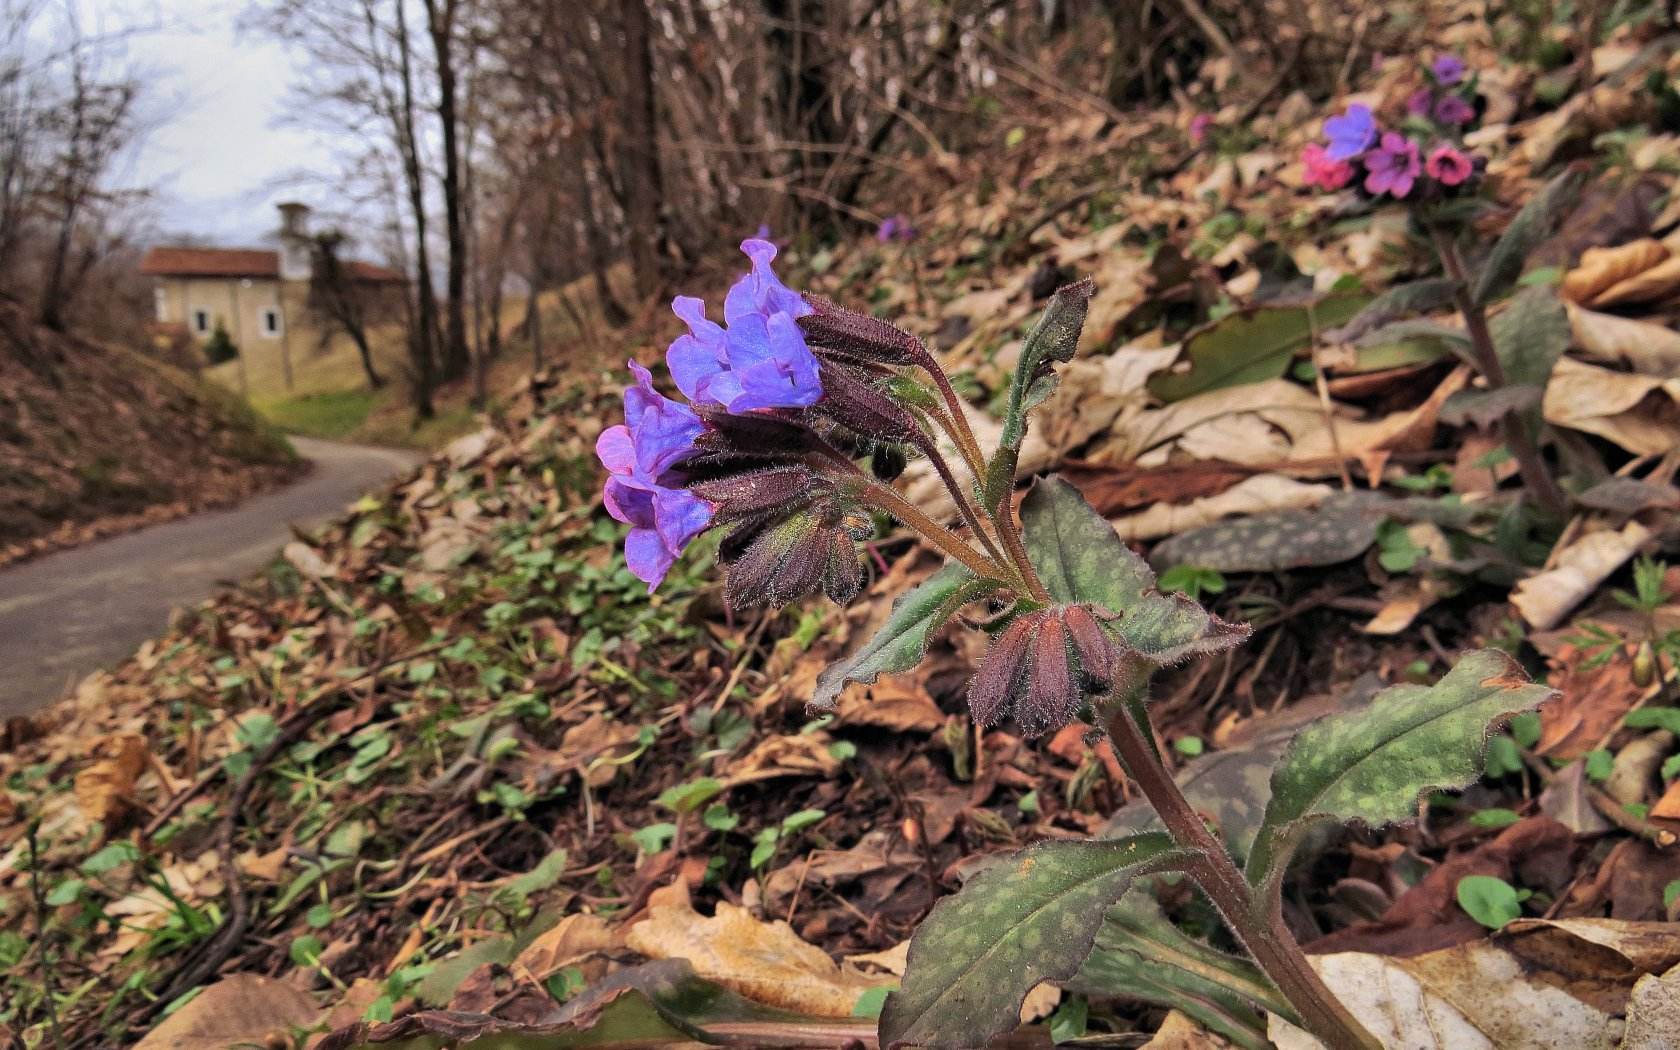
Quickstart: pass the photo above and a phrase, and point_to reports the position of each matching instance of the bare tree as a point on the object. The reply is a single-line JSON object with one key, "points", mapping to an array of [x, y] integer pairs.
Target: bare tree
{"points": [[441, 20], [341, 301]]}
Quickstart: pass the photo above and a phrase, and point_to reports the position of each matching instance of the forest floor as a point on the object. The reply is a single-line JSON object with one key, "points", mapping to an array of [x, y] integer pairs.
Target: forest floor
{"points": [[448, 752]]}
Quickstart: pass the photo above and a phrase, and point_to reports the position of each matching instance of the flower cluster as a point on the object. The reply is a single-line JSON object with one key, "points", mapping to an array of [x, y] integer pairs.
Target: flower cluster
{"points": [[895, 228], [1426, 145], [780, 396]]}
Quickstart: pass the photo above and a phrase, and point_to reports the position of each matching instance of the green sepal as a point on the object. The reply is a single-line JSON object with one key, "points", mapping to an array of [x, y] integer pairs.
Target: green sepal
{"points": [[1080, 559], [1373, 765], [1030, 918], [902, 641]]}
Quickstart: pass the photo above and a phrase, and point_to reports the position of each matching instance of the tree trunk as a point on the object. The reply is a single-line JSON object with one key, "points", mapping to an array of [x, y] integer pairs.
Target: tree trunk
{"points": [[440, 25], [639, 150], [422, 343], [359, 337]]}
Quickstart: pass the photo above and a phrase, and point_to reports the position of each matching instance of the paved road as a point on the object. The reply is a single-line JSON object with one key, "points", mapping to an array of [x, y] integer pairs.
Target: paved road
{"points": [[70, 613]]}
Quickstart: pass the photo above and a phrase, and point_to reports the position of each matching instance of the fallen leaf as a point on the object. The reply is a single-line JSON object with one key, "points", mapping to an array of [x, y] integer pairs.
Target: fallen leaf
{"points": [[1545, 598], [572, 939], [800, 755], [307, 560], [1253, 495], [1644, 346], [1178, 1032], [1590, 703], [1600, 268], [764, 961], [1110, 490], [897, 702], [103, 789], [596, 737], [1641, 413], [1657, 282], [240, 1009]]}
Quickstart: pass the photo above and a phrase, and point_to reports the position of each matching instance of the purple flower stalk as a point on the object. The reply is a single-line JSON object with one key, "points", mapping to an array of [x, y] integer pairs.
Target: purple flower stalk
{"points": [[760, 361], [1448, 70], [642, 491], [1351, 133], [1392, 167]]}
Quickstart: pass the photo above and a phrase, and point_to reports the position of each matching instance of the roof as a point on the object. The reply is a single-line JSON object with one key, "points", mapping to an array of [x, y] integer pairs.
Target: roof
{"points": [[243, 262]]}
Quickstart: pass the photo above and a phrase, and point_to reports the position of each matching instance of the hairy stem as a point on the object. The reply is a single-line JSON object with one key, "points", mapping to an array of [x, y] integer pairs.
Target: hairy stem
{"points": [[1261, 929], [965, 507], [886, 498], [1513, 430]]}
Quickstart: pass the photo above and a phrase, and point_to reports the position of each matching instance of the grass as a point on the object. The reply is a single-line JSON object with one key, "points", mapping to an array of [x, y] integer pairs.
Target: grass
{"points": [[332, 415]]}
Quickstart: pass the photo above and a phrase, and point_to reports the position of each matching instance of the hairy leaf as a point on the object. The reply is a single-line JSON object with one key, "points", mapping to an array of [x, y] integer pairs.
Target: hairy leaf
{"points": [[1284, 539], [1531, 226], [1530, 335], [1080, 559], [1400, 302], [1252, 345], [1029, 919], [1487, 407], [1140, 954], [1416, 328], [902, 641], [1054, 338], [1373, 765]]}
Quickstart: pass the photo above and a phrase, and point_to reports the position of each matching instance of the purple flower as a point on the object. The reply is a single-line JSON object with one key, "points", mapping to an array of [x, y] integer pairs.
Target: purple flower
{"points": [[1448, 70], [1351, 133], [761, 360], [639, 454], [1448, 166], [1393, 166], [887, 230], [1199, 125], [1453, 110], [1419, 102]]}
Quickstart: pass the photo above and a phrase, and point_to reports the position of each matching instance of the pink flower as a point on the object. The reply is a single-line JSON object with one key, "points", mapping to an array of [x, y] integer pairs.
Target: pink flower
{"points": [[1448, 166], [1199, 125], [1323, 172], [1393, 166]]}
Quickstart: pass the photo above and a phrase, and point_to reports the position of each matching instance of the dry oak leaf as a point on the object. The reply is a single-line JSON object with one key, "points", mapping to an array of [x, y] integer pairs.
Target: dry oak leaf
{"points": [[1658, 282], [239, 1010], [1641, 413], [1600, 268], [103, 789], [764, 961], [570, 940], [1545, 598], [802, 755]]}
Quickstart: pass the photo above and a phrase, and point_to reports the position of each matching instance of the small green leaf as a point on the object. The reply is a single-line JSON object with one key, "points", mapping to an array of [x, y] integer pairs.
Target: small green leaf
{"points": [[1531, 226], [1080, 559], [65, 892], [306, 950], [802, 820], [1070, 1019], [1599, 765], [1251, 345], [110, 857], [1671, 893], [1495, 818], [654, 837], [902, 641], [844, 750], [1028, 803], [686, 798], [1525, 729], [764, 847], [1030, 918], [1188, 746], [1395, 304], [318, 916], [869, 1004], [545, 874], [718, 818], [1373, 765], [1645, 718], [1490, 901]]}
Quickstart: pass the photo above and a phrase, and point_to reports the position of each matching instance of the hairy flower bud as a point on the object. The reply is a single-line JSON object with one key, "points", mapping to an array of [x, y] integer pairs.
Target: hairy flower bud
{"points": [[754, 437], [1041, 668], [759, 491], [816, 547], [887, 462], [857, 404], [832, 330]]}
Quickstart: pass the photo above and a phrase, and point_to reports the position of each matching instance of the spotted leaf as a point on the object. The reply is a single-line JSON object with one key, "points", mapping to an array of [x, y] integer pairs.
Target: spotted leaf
{"points": [[1030, 918], [1080, 559], [1373, 765]]}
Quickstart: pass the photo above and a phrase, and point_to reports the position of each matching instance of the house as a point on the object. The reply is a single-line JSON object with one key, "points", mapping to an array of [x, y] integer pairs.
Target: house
{"points": [[258, 295]]}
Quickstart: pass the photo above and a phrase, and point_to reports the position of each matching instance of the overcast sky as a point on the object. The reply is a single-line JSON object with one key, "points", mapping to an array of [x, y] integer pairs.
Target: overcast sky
{"points": [[218, 153]]}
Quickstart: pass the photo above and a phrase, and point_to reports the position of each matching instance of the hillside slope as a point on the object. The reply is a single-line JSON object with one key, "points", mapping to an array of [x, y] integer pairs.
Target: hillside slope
{"points": [[96, 439]]}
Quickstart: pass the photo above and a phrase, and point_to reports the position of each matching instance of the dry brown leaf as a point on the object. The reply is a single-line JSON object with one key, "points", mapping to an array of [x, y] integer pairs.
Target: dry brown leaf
{"points": [[1644, 346], [1403, 600], [1254, 495], [1178, 1032], [896, 702], [596, 737], [1647, 286], [764, 961], [572, 939], [103, 789], [1590, 703], [800, 755], [1545, 598], [240, 1009], [1641, 413], [1601, 268]]}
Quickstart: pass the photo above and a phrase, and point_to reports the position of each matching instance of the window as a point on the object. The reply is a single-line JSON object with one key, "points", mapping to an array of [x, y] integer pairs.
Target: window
{"points": [[160, 300], [201, 321], [271, 322]]}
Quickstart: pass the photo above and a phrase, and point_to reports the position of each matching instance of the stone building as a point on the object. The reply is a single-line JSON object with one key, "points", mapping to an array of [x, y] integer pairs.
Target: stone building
{"points": [[260, 296]]}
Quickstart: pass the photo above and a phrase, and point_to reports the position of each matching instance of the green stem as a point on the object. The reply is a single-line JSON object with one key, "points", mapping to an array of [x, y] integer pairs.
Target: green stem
{"points": [[931, 450], [1261, 930], [1513, 430]]}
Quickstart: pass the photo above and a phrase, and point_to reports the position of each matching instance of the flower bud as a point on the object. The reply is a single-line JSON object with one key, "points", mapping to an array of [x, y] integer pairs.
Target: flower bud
{"points": [[752, 437], [1042, 666], [856, 404], [759, 491], [832, 330], [887, 462], [815, 547]]}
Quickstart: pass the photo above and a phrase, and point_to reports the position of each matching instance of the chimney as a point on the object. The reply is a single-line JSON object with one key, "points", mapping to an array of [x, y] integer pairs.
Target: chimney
{"points": [[295, 254]]}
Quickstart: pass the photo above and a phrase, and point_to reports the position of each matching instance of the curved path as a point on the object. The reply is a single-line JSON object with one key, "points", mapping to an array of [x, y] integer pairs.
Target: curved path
{"points": [[67, 614]]}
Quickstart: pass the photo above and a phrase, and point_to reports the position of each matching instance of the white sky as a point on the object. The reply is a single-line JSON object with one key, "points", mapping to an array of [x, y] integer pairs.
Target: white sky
{"points": [[217, 154]]}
